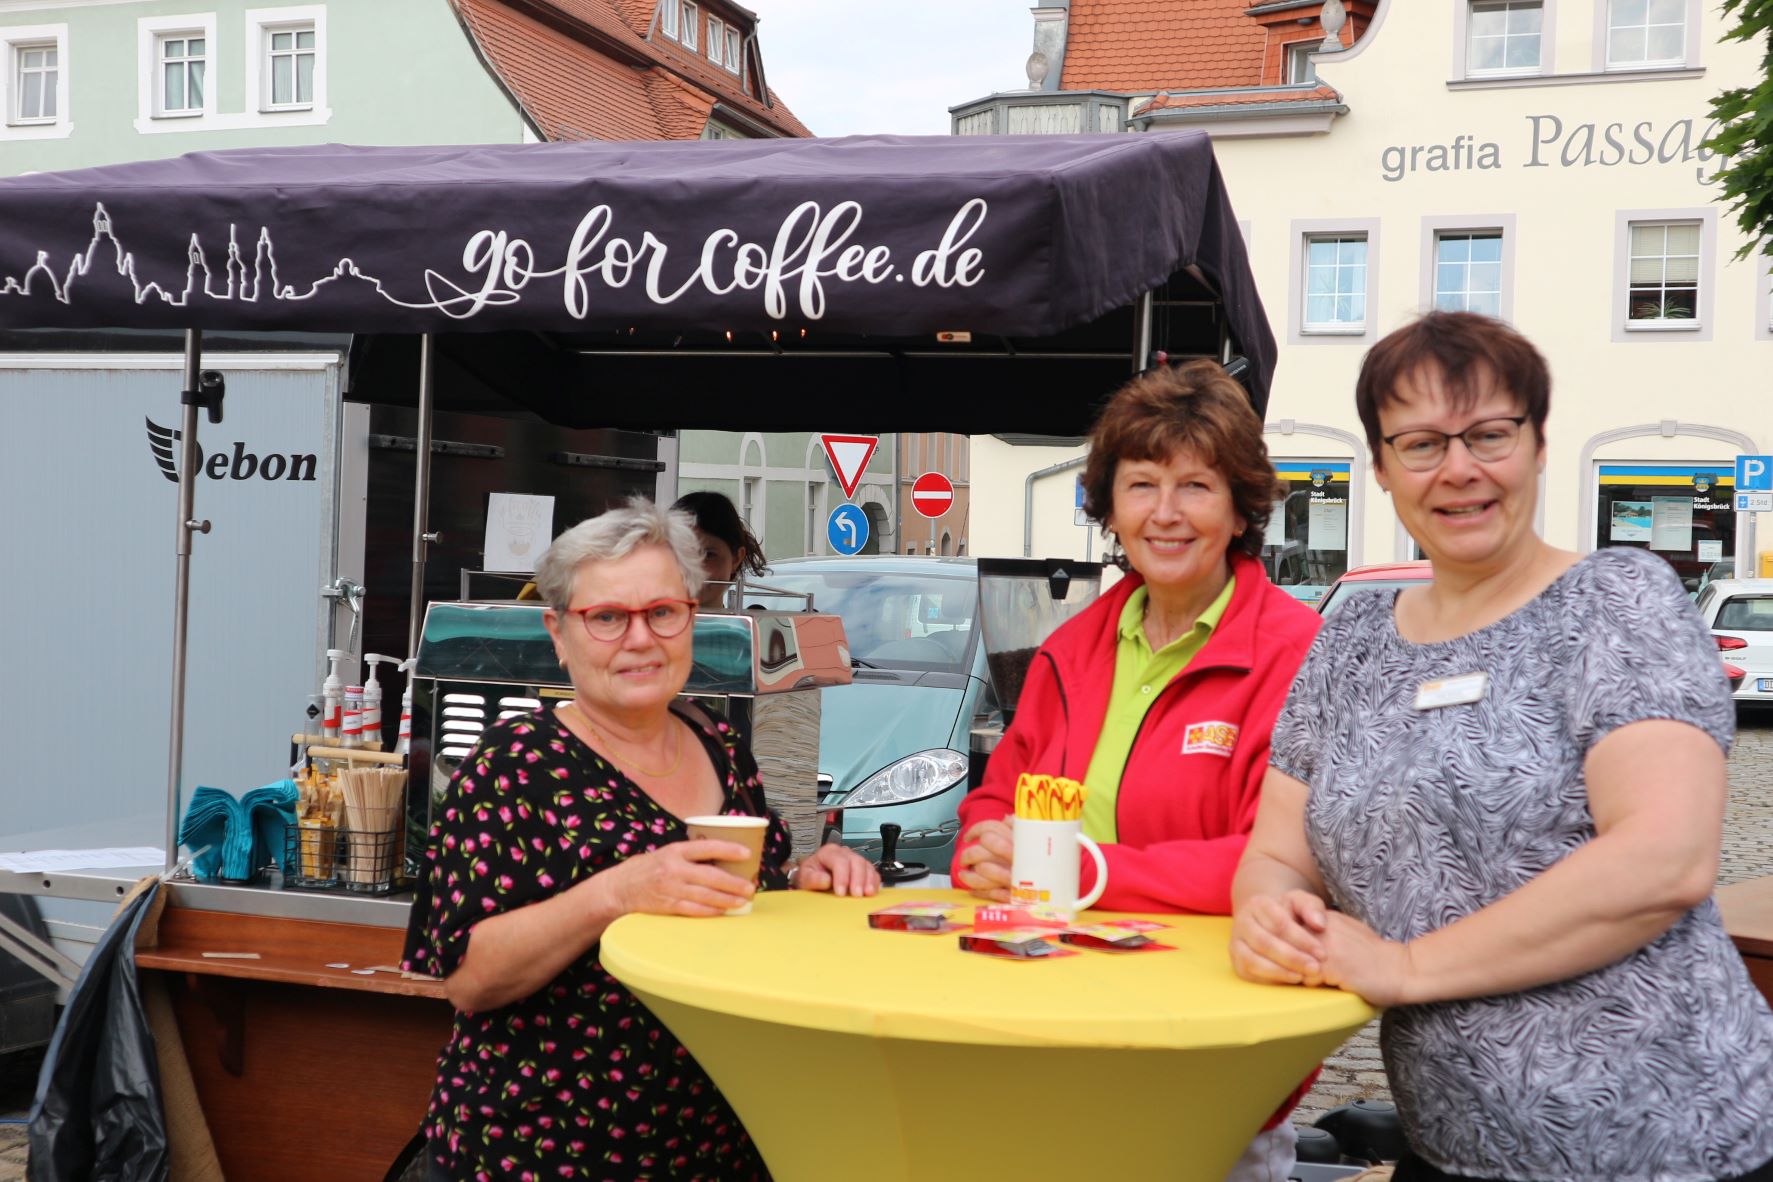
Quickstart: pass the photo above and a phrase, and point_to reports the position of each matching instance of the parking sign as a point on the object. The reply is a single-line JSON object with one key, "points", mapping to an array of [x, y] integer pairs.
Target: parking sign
{"points": [[1754, 474]]}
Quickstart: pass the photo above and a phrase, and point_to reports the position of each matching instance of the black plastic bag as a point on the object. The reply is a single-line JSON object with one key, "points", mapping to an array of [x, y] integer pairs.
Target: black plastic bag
{"points": [[97, 1114]]}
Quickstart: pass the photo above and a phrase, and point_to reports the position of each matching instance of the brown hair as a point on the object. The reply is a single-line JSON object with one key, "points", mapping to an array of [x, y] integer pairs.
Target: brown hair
{"points": [[1194, 406], [1473, 354]]}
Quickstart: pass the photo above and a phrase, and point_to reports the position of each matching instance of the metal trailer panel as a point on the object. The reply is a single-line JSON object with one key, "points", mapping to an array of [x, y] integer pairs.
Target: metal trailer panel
{"points": [[89, 536]]}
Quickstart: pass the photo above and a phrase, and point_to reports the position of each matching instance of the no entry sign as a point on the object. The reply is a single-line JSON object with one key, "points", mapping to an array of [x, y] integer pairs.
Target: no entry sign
{"points": [[932, 494]]}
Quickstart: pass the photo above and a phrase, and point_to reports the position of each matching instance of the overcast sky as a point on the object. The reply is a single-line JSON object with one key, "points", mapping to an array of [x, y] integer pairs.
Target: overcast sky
{"points": [[849, 67]]}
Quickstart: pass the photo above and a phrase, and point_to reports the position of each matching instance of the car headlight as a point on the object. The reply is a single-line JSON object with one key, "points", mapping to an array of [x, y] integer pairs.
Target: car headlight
{"points": [[914, 777]]}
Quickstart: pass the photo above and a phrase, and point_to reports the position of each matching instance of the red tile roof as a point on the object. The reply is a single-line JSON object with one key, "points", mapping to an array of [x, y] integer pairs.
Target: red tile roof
{"points": [[583, 69], [1143, 45]]}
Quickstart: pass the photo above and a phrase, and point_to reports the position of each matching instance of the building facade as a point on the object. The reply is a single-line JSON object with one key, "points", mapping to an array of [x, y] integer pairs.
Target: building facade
{"points": [[1537, 160]]}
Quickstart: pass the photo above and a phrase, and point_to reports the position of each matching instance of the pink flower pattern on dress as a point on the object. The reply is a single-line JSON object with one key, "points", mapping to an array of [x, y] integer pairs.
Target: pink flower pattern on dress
{"points": [[533, 811]]}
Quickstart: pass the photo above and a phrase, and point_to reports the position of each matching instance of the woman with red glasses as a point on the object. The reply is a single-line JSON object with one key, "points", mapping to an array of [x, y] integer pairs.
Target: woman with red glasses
{"points": [[556, 825]]}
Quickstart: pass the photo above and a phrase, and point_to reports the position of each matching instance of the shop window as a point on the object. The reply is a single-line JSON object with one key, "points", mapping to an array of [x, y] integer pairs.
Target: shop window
{"points": [[1504, 37], [1683, 512], [1646, 34], [1306, 545], [1336, 283], [1468, 272]]}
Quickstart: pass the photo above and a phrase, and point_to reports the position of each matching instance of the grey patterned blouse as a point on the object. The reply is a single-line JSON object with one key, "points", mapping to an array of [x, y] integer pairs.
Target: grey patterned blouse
{"points": [[1658, 1067]]}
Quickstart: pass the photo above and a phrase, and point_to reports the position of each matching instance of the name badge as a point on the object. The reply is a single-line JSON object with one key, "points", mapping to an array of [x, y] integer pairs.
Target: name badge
{"points": [[1452, 691]]}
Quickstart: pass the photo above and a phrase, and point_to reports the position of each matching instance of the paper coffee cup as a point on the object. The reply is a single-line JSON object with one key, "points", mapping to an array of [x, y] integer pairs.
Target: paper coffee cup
{"points": [[747, 831]]}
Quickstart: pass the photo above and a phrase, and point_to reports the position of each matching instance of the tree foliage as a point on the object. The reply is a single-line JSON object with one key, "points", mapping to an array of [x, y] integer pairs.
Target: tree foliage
{"points": [[1745, 119]]}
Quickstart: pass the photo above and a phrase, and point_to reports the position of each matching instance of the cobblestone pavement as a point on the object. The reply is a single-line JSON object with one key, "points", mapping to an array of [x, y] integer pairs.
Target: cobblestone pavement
{"points": [[1354, 1072]]}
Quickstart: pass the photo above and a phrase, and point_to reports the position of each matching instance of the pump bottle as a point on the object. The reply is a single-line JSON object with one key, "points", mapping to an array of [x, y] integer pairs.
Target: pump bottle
{"points": [[332, 693], [403, 744], [372, 701]]}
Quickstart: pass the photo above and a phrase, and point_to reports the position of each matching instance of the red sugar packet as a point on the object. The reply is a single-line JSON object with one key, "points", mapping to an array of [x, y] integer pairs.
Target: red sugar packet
{"points": [[997, 916], [923, 915], [1115, 935], [1026, 943]]}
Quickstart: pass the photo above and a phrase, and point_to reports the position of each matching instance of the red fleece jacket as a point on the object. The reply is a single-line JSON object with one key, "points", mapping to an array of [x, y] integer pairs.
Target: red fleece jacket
{"points": [[1187, 799]]}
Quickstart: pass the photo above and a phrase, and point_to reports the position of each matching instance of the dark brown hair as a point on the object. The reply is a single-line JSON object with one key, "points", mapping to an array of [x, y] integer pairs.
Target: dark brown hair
{"points": [[1193, 406], [1474, 354], [716, 515]]}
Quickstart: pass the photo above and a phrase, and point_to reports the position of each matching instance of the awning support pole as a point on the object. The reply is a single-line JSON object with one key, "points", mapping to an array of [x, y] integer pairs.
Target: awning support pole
{"points": [[181, 595], [421, 535], [1142, 334]]}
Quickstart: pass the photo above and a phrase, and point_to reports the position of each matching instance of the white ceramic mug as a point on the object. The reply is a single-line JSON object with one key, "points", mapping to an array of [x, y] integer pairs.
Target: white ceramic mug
{"points": [[1045, 863]]}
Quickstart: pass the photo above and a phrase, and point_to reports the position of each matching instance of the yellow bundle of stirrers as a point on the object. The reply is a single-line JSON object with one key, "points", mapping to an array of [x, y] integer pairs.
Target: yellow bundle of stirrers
{"points": [[1049, 798]]}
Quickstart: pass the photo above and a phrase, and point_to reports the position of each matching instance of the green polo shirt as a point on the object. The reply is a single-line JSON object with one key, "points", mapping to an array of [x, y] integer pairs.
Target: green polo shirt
{"points": [[1139, 674]]}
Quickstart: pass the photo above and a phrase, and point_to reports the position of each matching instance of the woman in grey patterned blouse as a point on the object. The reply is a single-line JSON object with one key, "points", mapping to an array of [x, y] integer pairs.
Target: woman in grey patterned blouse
{"points": [[1510, 785]]}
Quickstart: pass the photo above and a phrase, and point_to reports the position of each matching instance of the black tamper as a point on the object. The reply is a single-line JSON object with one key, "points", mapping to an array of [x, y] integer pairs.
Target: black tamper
{"points": [[891, 869]]}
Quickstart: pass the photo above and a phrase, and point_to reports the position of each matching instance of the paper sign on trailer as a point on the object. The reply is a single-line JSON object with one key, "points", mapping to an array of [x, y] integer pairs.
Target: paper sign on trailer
{"points": [[849, 456], [932, 494]]}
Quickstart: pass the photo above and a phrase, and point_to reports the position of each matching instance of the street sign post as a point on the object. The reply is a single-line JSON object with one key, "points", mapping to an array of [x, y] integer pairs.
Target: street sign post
{"points": [[1754, 474], [847, 529], [932, 494], [849, 456]]}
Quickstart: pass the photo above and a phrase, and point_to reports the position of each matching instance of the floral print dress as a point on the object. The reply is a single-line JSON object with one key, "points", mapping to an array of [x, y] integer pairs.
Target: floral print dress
{"points": [[578, 1080]]}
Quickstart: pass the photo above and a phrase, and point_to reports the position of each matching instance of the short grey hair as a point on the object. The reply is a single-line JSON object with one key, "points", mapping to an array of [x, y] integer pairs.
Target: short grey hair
{"points": [[614, 534]]}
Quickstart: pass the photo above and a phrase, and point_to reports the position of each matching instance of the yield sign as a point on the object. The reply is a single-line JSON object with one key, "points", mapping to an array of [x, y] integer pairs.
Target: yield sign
{"points": [[849, 456], [932, 494]]}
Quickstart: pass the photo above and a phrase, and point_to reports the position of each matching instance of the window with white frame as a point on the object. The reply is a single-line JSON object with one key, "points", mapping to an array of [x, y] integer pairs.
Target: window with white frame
{"points": [[1335, 282], [1300, 69], [291, 53], [181, 62], [1663, 272], [35, 77], [716, 38], [668, 13], [1504, 36], [1468, 271], [733, 49], [1646, 33], [691, 15]]}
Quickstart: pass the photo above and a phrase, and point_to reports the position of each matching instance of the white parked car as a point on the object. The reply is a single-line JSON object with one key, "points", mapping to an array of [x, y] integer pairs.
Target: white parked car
{"points": [[1739, 613]]}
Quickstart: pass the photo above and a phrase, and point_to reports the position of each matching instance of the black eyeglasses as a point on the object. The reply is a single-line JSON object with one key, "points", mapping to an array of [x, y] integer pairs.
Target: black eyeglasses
{"points": [[611, 621], [1490, 440]]}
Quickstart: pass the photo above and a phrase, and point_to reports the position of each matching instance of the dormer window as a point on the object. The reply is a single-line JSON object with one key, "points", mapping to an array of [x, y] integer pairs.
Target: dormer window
{"points": [[733, 49], [692, 15], [716, 39], [668, 14]]}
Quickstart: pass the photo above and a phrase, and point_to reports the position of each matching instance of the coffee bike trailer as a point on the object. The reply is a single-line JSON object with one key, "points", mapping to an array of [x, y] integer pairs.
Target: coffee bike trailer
{"points": [[976, 285]]}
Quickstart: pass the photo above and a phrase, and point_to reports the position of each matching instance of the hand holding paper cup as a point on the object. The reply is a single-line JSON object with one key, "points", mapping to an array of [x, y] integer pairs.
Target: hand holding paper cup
{"points": [[1046, 834], [746, 831]]}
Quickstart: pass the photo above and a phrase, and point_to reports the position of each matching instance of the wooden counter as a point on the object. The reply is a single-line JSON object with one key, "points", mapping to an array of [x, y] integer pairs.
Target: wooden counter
{"points": [[1748, 917], [303, 1071]]}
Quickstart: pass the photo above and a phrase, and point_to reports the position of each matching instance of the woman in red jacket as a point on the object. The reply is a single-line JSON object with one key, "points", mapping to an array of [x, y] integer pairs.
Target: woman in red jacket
{"points": [[1161, 695]]}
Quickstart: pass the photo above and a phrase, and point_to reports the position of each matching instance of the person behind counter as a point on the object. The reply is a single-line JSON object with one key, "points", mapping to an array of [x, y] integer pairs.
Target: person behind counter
{"points": [[557, 824], [728, 546], [1511, 781], [1160, 695]]}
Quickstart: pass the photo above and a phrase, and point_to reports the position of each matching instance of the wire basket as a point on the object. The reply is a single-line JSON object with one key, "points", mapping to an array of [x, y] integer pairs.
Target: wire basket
{"points": [[364, 860]]}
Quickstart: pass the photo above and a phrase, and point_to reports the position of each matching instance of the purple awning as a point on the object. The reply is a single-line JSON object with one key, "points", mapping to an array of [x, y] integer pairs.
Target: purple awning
{"points": [[1021, 237]]}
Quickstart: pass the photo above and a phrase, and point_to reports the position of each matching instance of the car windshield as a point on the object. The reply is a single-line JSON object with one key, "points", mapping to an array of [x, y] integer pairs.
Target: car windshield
{"points": [[894, 621], [1341, 592]]}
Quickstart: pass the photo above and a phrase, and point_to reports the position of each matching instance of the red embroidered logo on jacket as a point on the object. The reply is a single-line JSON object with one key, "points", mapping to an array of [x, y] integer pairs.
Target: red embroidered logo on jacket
{"points": [[1209, 738]]}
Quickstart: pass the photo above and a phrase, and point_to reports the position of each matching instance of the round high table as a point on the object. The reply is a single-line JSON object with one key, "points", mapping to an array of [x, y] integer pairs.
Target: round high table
{"points": [[863, 1054]]}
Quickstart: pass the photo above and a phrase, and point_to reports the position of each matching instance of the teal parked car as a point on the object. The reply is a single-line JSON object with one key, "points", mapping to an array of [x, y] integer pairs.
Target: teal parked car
{"points": [[893, 745]]}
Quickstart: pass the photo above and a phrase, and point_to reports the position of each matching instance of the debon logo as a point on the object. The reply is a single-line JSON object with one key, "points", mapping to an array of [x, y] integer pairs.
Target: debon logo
{"points": [[240, 464]]}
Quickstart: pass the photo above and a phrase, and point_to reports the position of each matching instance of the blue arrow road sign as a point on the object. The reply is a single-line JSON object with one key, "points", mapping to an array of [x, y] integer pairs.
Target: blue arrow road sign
{"points": [[847, 531], [1754, 474]]}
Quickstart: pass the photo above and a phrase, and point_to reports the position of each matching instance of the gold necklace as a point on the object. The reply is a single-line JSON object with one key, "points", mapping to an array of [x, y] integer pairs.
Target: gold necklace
{"points": [[675, 761]]}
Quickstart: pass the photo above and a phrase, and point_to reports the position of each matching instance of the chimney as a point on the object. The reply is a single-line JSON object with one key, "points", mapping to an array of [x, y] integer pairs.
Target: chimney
{"points": [[1046, 65]]}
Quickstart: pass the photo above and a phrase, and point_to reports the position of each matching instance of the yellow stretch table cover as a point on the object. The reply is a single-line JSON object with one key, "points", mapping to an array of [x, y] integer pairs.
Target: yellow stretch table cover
{"points": [[864, 1054]]}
